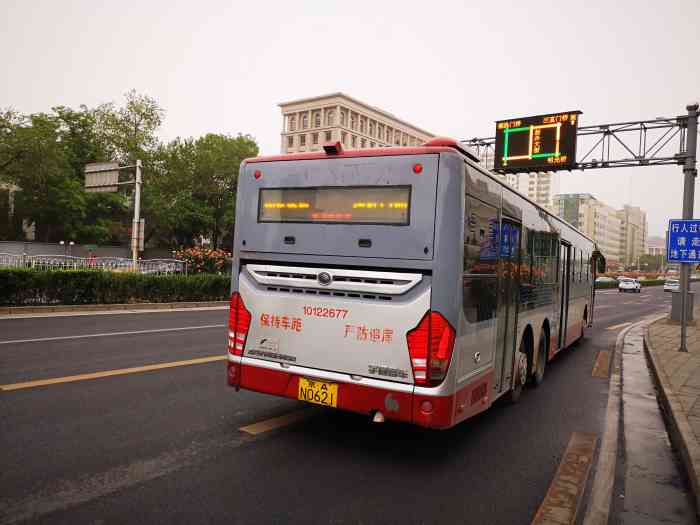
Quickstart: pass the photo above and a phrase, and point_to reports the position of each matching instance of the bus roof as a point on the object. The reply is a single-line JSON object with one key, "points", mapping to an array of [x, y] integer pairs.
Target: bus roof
{"points": [[436, 145]]}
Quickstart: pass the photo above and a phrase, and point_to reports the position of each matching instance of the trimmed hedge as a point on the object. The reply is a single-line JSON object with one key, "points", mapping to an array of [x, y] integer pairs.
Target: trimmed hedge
{"points": [[27, 287]]}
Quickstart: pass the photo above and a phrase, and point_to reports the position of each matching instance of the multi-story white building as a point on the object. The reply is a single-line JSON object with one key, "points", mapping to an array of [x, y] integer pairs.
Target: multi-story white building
{"points": [[594, 218], [310, 122], [540, 187], [656, 246], [633, 234]]}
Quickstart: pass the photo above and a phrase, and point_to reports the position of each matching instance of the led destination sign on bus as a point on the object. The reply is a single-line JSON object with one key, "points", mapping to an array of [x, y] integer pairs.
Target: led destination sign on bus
{"points": [[347, 205], [542, 143]]}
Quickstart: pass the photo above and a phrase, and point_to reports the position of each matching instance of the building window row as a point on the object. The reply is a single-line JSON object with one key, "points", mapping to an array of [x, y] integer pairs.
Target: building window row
{"points": [[355, 122], [301, 139]]}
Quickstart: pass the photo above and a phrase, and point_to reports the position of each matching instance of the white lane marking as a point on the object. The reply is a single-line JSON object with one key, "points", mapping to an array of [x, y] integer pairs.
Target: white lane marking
{"points": [[616, 326], [111, 312], [109, 334]]}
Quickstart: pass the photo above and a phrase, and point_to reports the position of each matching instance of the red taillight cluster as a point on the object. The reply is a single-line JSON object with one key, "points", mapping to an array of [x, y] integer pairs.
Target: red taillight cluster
{"points": [[238, 325], [430, 346]]}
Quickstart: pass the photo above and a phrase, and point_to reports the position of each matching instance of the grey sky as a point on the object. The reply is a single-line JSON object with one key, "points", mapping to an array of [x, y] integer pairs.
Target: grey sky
{"points": [[451, 67]]}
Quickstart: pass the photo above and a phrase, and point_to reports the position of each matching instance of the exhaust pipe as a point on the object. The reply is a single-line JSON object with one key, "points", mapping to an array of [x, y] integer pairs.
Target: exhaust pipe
{"points": [[378, 417]]}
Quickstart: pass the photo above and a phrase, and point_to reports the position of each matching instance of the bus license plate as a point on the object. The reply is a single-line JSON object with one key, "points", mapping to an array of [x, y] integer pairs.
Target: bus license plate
{"points": [[318, 392]]}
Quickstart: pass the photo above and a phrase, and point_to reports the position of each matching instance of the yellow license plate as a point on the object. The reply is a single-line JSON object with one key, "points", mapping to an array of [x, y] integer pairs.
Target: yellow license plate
{"points": [[318, 392]]}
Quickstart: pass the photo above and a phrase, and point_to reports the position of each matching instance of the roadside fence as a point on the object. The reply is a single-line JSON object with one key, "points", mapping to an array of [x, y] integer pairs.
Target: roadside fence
{"points": [[114, 264]]}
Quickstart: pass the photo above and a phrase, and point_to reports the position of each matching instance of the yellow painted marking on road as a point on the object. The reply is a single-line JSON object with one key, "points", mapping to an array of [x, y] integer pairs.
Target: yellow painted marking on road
{"points": [[109, 373], [617, 326], [277, 422], [561, 503], [602, 365]]}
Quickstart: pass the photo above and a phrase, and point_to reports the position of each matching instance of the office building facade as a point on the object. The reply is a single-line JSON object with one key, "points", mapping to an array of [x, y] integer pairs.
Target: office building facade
{"points": [[594, 218], [633, 234], [310, 122]]}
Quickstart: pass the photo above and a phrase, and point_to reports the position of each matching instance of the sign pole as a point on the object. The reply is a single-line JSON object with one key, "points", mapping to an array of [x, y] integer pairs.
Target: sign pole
{"points": [[137, 211], [690, 173]]}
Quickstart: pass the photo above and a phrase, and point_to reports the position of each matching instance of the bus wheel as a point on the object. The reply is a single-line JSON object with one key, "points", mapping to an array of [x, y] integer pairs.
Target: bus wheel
{"points": [[538, 376], [520, 375]]}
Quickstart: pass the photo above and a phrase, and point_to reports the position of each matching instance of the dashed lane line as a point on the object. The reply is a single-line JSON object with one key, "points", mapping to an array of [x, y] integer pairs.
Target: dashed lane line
{"points": [[278, 422], [618, 326], [561, 503], [110, 334], [109, 373], [601, 368]]}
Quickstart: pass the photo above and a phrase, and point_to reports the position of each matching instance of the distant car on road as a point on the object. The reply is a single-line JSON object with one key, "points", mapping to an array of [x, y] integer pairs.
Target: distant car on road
{"points": [[672, 285], [628, 284], [604, 279]]}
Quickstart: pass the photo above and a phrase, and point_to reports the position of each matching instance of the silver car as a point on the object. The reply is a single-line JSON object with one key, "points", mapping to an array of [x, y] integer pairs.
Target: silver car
{"points": [[672, 285]]}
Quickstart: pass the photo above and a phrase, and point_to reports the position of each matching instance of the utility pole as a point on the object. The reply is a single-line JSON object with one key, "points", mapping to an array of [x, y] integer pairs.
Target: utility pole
{"points": [[137, 211], [690, 172], [105, 177]]}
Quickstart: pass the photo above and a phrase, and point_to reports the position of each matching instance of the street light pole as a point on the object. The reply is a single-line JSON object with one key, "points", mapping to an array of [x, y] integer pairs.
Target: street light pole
{"points": [[690, 172], [137, 212]]}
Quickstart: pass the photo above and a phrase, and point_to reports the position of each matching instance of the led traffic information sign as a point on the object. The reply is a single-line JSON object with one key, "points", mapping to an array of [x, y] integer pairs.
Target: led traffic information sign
{"points": [[541, 143]]}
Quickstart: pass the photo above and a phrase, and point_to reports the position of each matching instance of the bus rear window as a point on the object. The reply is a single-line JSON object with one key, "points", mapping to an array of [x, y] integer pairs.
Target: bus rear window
{"points": [[343, 205]]}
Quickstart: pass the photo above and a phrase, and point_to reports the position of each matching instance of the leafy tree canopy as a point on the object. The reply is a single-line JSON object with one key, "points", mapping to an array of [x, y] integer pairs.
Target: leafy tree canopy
{"points": [[189, 184]]}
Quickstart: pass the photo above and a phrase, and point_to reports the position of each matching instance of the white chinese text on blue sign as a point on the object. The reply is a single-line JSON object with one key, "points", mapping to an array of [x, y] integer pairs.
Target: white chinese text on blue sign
{"points": [[683, 241]]}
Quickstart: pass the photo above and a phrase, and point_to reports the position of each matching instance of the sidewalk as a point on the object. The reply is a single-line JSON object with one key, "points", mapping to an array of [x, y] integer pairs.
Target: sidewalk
{"points": [[678, 378]]}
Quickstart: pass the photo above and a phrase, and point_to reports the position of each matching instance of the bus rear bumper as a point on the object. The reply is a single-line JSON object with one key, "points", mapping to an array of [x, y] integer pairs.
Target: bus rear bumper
{"points": [[395, 404], [396, 401]]}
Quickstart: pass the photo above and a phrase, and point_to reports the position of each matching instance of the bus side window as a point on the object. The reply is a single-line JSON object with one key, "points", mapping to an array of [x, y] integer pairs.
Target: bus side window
{"points": [[481, 248]]}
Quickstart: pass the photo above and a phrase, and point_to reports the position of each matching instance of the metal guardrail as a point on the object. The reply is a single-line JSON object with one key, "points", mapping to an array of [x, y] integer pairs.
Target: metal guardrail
{"points": [[67, 262]]}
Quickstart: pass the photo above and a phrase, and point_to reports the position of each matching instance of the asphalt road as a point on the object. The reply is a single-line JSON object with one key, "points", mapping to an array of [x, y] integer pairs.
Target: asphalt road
{"points": [[166, 445]]}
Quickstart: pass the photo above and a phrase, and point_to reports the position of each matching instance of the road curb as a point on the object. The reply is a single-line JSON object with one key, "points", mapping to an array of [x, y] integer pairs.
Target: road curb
{"points": [[677, 424], [19, 310], [600, 501]]}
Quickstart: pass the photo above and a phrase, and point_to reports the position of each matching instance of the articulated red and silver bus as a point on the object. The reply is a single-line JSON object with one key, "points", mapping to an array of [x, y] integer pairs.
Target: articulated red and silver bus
{"points": [[407, 284]]}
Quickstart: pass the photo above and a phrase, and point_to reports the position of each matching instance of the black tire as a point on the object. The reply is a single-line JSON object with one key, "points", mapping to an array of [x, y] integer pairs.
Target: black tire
{"points": [[514, 394], [538, 375]]}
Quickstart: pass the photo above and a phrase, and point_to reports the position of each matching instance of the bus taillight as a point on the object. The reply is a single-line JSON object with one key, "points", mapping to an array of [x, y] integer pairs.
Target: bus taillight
{"points": [[430, 346], [238, 324]]}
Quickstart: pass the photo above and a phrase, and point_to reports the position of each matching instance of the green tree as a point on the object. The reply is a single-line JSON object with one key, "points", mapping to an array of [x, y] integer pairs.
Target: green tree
{"points": [[191, 191], [217, 162], [651, 263], [34, 160], [129, 132]]}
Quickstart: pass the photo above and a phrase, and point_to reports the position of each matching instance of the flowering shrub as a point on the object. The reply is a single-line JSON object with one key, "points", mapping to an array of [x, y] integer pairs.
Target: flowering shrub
{"points": [[204, 260]]}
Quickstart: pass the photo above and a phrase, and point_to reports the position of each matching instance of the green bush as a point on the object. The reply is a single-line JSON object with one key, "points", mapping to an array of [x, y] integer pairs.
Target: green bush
{"points": [[25, 287]]}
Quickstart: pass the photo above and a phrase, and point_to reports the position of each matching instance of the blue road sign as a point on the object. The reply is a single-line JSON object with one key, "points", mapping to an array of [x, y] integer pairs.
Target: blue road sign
{"points": [[683, 241]]}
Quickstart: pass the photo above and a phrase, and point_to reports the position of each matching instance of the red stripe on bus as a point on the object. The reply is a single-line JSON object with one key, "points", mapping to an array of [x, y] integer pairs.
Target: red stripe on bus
{"points": [[372, 152], [352, 397], [442, 411]]}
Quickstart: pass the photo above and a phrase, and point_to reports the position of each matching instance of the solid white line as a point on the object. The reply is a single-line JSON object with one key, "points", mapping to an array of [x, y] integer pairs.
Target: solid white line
{"points": [[108, 334], [112, 312]]}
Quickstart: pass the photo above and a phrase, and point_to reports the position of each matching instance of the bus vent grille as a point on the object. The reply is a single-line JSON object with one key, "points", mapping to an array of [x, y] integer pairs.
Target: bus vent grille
{"points": [[350, 295], [338, 282], [337, 279]]}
